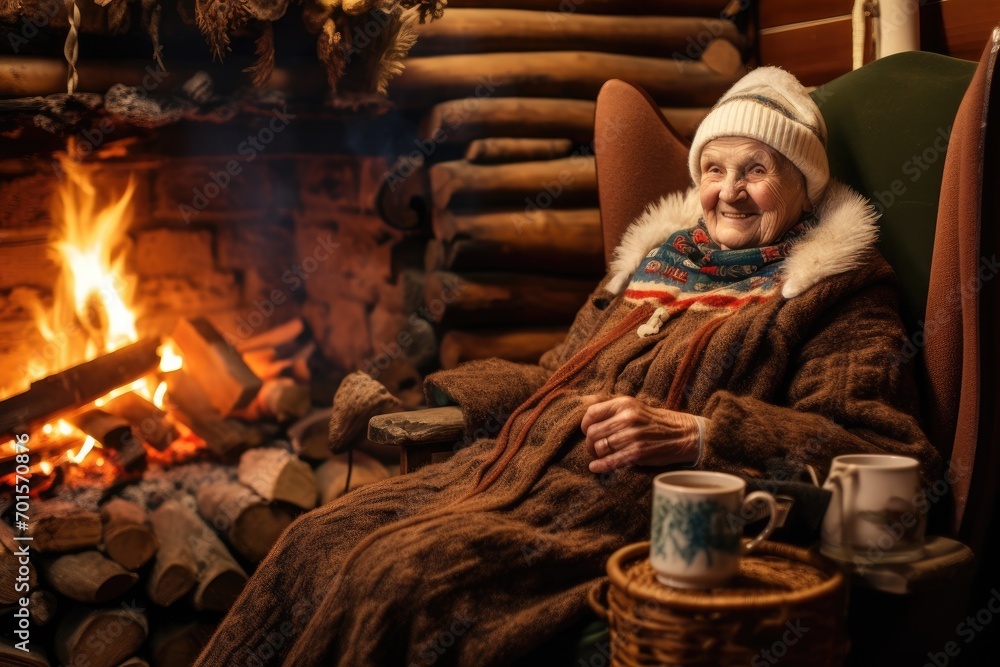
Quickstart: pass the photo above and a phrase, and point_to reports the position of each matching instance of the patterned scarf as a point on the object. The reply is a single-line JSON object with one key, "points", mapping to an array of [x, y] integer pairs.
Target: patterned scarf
{"points": [[689, 265]]}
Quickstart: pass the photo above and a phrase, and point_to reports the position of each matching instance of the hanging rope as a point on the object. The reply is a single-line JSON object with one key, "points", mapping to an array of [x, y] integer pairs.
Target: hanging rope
{"points": [[72, 48]]}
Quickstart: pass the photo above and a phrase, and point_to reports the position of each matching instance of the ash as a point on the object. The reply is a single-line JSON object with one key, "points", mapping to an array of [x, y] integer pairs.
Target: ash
{"points": [[156, 486]]}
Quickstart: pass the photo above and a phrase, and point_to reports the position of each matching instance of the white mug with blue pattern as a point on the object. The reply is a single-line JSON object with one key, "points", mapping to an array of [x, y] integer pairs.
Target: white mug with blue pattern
{"points": [[698, 519]]}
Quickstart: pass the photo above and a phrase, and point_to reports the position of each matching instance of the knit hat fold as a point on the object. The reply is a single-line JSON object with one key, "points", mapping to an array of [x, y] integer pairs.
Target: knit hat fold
{"points": [[772, 107]]}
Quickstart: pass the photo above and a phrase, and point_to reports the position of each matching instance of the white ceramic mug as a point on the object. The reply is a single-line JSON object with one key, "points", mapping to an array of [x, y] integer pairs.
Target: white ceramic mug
{"points": [[873, 515], [698, 519]]}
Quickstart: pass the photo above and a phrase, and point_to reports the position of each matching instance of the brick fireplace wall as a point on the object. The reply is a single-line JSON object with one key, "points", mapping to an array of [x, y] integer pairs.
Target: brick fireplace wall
{"points": [[287, 236]]}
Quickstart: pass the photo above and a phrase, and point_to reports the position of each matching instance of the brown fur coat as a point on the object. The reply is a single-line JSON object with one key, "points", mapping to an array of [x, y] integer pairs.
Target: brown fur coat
{"points": [[419, 570]]}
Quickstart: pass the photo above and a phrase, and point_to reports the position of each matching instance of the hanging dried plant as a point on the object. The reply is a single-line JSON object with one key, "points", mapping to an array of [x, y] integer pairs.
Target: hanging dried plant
{"points": [[119, 17], [261, 70], [217, 19], [331, 53], [427, 8], [389, 49], [151, 13]]}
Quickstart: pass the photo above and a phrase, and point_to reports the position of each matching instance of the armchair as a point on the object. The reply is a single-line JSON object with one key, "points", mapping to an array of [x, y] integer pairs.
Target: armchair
{"points": [[916, 133]]}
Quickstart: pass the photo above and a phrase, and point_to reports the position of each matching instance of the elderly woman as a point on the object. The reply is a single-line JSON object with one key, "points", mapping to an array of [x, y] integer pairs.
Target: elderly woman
{"points": [[747, 325]]}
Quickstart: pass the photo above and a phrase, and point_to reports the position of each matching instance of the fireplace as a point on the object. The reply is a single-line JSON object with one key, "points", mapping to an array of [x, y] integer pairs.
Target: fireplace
{"points": [[178, 306]]}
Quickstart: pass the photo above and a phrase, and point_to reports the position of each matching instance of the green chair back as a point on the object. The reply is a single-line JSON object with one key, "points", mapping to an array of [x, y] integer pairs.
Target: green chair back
{"points": [[888, 125]]}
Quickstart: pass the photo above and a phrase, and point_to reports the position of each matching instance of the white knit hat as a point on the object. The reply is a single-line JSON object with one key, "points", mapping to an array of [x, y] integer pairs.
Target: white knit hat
{"points": [[771, 106]]}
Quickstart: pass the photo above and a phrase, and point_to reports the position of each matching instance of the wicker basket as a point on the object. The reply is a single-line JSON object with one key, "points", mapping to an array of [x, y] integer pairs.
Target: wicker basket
{"points": [[787, 606]]}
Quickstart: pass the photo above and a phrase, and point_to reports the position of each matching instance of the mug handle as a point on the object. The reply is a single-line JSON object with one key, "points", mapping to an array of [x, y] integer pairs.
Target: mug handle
{"points": [[772, 523], [838, 477]]}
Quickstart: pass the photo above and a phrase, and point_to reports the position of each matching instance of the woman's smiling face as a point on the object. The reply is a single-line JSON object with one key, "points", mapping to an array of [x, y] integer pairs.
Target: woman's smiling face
{"points": [[750, 194]]}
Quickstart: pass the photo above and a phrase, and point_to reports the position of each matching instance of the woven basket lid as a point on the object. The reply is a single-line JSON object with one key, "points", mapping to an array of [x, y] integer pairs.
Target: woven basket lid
{"points": [[772, 575]]}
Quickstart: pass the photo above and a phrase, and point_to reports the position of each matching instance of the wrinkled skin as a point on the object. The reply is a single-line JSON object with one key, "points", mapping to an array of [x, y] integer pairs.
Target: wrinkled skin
{"points": [[625, 431], [750, 196]]}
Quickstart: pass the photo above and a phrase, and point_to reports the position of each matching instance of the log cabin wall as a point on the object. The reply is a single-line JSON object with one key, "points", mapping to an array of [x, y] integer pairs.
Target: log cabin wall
{"points": [[504, 164]]}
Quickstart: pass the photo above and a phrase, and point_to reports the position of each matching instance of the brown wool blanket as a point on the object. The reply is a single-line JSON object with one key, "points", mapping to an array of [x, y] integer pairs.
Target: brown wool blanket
{"points": [[478, 560]]}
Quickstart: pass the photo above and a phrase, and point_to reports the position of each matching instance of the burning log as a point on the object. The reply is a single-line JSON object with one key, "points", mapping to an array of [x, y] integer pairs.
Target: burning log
{"points": [[359, 397], [225, 437], [81, 638], [89, 577], [459, 121], [522, 345], [11, 567], [77, 386], [566, 182], [150, 422], [128, 534], [486, 30], [176, 568], [505, 299], [310, 435], [251, 524], [15, 657], [57, 525], [276, 474], [331, 476], [178, 645], [283, 339], [572, 74], [215, 365], [114, 434], [506, 149]]}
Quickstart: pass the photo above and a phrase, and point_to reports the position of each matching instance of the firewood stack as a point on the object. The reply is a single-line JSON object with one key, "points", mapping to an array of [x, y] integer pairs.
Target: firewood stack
{"points": [[169, 541], [504, 156]]}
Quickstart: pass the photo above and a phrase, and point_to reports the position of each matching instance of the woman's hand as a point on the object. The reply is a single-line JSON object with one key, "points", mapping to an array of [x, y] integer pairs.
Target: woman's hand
{"points": [[624, 430]]}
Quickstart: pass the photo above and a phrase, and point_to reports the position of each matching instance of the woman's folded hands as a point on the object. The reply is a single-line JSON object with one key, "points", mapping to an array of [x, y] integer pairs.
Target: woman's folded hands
{"points": [[625, 431]]}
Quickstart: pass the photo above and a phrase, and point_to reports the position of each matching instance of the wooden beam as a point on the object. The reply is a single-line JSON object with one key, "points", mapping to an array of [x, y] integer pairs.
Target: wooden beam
{"points": [[463, 120], [564, 183], [495, 30], [568, 74], [644, 7], [506, 149], [504, 299]]}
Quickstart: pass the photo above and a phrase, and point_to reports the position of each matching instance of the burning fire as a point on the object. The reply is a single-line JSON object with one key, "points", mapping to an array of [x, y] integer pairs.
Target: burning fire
{"points": [[93, 295]]}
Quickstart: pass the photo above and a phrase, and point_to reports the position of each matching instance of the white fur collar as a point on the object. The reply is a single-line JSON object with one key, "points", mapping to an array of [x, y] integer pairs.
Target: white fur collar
{"points": [[845, 229]]}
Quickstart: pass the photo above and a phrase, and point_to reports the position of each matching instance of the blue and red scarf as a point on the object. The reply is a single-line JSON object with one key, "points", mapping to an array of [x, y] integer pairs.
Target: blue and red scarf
{"points": [[689, 266]]}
